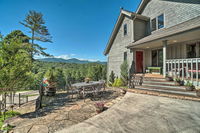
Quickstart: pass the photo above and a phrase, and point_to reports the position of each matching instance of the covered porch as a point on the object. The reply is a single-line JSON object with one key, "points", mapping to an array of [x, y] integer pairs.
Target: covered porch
{"points": [[175, 54]]}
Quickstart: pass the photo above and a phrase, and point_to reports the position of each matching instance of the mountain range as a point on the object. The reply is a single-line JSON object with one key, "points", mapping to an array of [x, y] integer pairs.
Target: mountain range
{"points": [[72, 60]]}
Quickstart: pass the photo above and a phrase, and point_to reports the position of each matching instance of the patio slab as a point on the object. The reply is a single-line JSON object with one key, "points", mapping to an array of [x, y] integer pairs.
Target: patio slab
{"points": [[144, 113]]}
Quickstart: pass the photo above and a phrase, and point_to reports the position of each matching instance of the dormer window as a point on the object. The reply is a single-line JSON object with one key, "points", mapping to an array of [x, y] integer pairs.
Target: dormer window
{"points": [[160, 21], [125, 29], [157, 23], [153, 24]]}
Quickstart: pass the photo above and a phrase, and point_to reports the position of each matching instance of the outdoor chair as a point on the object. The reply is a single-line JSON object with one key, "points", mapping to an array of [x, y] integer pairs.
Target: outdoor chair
{"points": [[72, 91], [90, 90]]}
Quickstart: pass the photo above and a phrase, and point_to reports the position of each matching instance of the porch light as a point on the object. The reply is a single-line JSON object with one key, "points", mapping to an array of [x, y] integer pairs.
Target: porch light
{"points": [[147, 47], [175, 41]]}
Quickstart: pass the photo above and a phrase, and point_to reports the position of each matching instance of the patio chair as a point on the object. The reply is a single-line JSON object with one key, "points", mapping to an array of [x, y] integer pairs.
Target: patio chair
{"points": [[72, 91], [90, 90]]}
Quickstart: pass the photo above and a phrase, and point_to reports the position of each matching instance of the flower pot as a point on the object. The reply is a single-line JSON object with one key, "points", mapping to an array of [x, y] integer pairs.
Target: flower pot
{"points": [[98, 111], [169, 78], [123, 91], [198, 93], [189, 88], [177, 83], [181, 83]]}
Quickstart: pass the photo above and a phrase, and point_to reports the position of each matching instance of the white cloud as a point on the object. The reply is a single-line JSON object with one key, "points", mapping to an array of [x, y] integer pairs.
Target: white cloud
{"points": [[67, 56], [93, 60]]}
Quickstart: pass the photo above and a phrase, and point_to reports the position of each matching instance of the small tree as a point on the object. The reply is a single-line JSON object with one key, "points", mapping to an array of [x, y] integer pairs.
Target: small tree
{"points": [[124, 72], [111, 78]]}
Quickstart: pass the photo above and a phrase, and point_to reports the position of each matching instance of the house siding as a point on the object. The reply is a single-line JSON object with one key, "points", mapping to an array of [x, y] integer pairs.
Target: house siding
{"points": [[116, 53], [175, 11], [140, 28]]}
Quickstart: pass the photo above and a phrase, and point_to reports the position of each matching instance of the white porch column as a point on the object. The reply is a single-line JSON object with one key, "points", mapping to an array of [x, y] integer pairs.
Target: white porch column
{"points": [[164, 57]]}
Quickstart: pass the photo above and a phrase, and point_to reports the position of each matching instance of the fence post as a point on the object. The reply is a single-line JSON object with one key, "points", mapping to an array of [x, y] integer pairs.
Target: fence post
{"points": [[19, 99], [5, 100], [26, 99]]}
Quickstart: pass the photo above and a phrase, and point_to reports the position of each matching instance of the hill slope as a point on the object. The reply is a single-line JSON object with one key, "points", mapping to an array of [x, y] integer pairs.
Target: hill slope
{"points": [[72, 60]]}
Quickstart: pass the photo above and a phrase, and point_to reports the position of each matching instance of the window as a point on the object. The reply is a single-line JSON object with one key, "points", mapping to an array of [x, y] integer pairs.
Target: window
{"points": [[157, 58], [153, 24], [125, 56], [125, 29], [191, 51], [160, 21], [157, 23]]}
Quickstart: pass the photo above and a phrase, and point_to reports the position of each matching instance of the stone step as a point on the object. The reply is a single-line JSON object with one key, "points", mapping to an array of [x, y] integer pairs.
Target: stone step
{"points": [[168, 91], [166, 87]]}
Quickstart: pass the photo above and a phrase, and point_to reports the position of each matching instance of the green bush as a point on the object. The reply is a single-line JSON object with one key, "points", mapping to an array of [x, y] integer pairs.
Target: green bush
{"points": [[8, 114], [111, 78], [124, 73], [118, 82]]}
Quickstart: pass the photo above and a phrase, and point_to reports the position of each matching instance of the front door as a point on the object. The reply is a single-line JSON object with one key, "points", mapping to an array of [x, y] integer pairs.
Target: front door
{"points": [[139, 61]]}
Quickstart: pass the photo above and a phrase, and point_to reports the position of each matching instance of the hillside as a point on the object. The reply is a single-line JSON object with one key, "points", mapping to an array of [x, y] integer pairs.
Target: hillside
{"points": [[72, 60]]}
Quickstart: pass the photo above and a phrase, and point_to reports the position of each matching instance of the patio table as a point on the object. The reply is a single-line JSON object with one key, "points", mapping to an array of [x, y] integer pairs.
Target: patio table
{"points": [[91, 87]]}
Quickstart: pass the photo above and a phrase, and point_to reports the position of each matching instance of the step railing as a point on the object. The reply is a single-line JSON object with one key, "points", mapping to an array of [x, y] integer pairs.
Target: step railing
{"points": [[185, 69]]}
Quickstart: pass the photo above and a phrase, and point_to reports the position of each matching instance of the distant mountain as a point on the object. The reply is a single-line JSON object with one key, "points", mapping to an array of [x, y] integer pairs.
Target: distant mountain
{"points": [[72, 60]]}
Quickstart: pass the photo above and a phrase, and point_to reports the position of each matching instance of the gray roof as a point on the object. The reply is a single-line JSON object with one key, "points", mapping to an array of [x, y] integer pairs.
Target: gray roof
{"points": [[167, 32]]}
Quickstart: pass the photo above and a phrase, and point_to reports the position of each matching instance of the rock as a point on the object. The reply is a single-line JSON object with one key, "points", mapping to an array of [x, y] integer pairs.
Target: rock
{"points": [[39, 129]]}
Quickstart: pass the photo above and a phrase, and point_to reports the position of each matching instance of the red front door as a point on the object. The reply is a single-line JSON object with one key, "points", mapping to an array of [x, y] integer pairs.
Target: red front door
{"points": [[139, 61]]}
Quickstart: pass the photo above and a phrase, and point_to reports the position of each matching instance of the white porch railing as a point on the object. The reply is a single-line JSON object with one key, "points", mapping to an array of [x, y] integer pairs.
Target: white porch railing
{"points": [[185, 69]]}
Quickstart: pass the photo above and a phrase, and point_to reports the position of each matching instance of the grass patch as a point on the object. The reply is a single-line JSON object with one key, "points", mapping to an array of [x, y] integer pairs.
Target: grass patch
{"points": [[8, 114]]}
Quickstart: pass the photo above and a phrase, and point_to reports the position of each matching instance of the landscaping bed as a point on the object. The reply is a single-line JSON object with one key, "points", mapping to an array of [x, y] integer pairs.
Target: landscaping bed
{"points": [[59, 112]]}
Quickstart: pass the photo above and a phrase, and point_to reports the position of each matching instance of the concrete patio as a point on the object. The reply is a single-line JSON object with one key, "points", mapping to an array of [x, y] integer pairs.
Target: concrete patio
{"points": [[144, 113]]}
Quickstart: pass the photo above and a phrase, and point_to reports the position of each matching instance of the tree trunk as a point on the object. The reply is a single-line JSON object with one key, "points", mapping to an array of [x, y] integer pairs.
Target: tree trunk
{"points": [[32, 42]]}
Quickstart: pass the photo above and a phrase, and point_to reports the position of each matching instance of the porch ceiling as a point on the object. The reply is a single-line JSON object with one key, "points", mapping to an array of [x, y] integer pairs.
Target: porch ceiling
{"points": [[173, 39]]}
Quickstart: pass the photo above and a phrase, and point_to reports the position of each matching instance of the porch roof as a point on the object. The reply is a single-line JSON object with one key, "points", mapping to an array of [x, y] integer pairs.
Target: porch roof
{"points": [[164, 34]]}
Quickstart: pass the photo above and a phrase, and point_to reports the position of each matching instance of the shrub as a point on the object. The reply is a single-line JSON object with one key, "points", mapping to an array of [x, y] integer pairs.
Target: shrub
{"points": [[124, 73], [118, 82], [111, 78]]}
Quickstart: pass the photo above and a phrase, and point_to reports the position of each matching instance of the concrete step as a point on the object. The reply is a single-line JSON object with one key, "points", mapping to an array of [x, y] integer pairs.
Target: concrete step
{"points": [[168, 91], [169, 83], [173, 88], [163, 86]]}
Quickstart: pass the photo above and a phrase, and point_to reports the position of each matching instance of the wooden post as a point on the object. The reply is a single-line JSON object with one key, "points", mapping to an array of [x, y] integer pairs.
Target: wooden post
{"points": [[5, 100], [197, 74], [26, 99], [164, 57], [19, 99]]}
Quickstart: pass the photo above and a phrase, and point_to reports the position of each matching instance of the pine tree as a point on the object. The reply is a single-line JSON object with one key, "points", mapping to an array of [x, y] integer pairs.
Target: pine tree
{"points": [[39, 32], [124, 72], [111, 78]]}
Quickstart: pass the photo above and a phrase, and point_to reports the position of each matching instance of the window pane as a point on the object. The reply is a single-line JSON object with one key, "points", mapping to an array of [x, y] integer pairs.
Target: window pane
{"points": [[154, 58], [191, 51], [125, 29], [160, 21], [160, 58], [153, 24]]}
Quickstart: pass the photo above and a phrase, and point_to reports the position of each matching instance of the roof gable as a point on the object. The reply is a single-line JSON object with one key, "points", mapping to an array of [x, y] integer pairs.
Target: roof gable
{"points": [[141, 6], [123, 13]]}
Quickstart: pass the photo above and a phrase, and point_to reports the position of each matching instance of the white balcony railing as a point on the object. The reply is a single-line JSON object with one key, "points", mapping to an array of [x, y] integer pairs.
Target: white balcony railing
{"points": [[186, 69]]}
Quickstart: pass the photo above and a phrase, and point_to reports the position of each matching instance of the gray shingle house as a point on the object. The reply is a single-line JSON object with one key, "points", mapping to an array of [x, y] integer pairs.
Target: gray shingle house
{"points": [[162, 36]]}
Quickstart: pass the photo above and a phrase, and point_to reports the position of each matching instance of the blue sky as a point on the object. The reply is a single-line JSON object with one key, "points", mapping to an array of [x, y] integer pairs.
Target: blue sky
{"points": [[80, 28]]}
